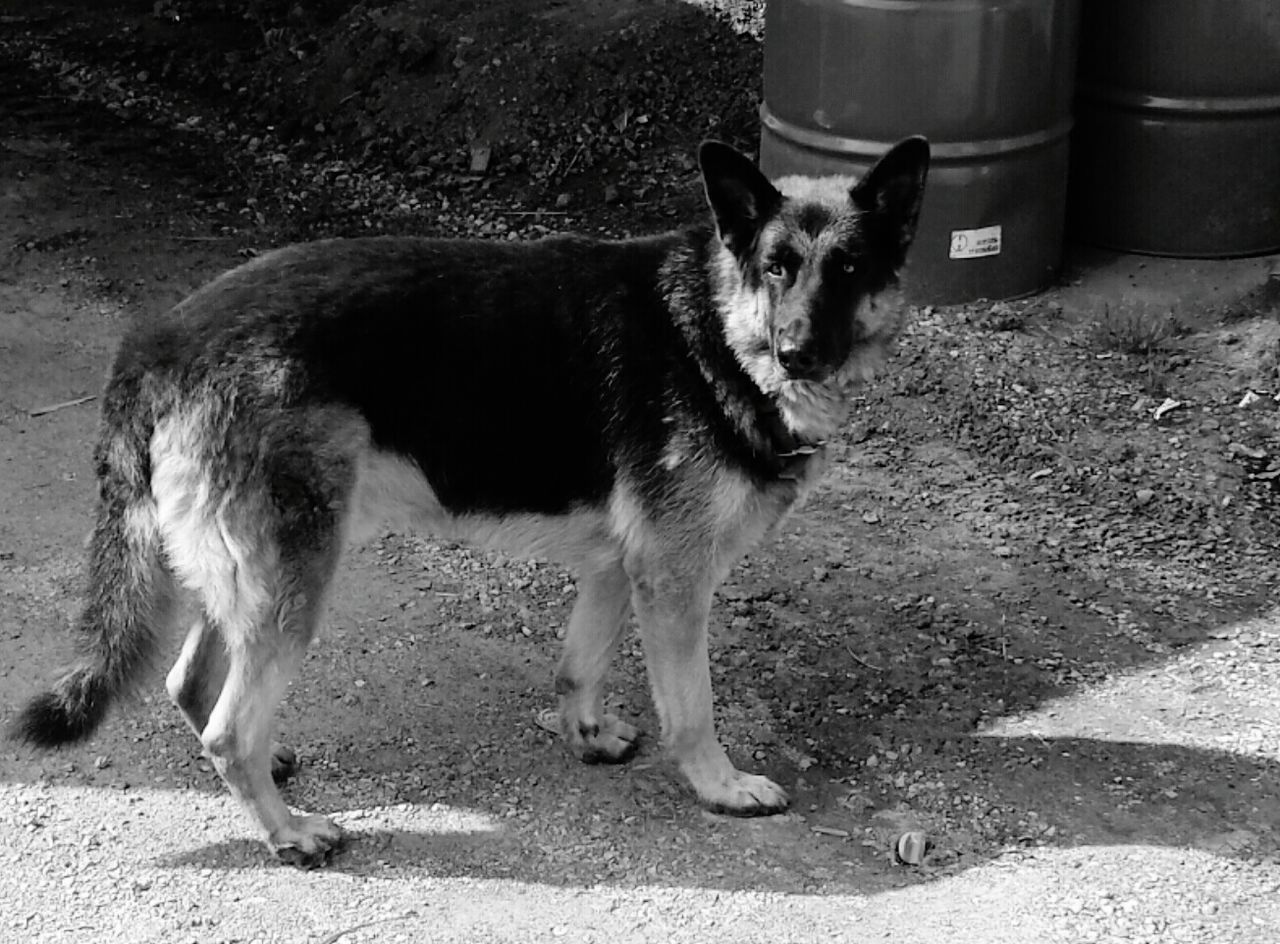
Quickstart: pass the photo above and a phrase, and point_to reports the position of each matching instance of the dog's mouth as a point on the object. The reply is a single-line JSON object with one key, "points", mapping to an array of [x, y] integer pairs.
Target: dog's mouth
{"points": [[855, 356], [862, 363], [859, 365], [803, 365], [815, 372]]}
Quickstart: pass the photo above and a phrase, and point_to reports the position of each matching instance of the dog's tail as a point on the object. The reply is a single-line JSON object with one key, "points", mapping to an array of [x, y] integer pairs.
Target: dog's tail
{"points": [[127, 586]]}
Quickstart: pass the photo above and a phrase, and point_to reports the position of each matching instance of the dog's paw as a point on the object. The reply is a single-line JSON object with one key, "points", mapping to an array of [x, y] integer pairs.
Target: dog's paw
{"points": [[306, 841], [611, 741], [743, 794], [284, 762]]}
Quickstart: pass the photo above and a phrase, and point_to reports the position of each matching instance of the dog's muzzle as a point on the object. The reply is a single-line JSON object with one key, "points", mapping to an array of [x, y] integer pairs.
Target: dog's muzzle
{"points": [[795, 352]]}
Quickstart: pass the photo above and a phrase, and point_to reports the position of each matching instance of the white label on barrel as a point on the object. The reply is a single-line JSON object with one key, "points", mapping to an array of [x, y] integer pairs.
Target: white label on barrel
{"points": [[975, 243]]}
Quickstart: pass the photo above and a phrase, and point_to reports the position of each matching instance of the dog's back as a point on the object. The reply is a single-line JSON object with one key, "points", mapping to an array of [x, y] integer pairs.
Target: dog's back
{"points": [[512, 375]]}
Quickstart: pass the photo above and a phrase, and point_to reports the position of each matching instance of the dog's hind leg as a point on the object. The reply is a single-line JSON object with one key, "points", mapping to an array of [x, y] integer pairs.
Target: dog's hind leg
{"points": [[260, 662], [196, 680], [598, 621], [673, 603]]}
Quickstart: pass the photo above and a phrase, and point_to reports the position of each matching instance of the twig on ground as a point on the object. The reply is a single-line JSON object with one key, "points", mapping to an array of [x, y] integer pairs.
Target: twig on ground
{"points": [[54, 407], [338, 935], [576, 154], [874, 668]]}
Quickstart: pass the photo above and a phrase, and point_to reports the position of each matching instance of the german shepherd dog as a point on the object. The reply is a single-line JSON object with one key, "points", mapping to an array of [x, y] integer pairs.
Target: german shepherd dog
{"points": [[643, 411]]}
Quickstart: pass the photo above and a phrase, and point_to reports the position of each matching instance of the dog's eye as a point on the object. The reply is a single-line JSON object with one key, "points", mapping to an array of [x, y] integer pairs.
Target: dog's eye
{"points": [[776, 270], [842, 262]]}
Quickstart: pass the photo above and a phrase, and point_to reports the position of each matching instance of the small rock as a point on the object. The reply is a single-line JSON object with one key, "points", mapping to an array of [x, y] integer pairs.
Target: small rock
{"points": [[1240, 449], [911, 848], [480, 155], [1143, 496]]}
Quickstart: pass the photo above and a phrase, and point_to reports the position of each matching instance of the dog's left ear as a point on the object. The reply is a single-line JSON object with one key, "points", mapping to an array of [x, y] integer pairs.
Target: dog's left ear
{"points": [[892, 191], [741, 197]]}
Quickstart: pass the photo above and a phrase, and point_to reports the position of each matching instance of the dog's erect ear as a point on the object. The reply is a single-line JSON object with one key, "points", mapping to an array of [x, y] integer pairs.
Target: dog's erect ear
{"points": [[892, 190], [741, 197]]}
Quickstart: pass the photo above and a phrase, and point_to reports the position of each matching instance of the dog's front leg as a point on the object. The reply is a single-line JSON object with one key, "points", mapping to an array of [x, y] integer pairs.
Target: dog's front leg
{"points": [[673, 605], [599, 619]]}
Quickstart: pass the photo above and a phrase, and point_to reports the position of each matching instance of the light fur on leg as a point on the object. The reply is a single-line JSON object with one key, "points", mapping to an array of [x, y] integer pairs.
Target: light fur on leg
{"points": [[598, 621], [196, 680], [673, 606]]}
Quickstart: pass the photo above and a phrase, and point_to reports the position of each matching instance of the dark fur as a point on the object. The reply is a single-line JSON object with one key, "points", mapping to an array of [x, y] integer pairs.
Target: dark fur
{"points": [[613, 387]]}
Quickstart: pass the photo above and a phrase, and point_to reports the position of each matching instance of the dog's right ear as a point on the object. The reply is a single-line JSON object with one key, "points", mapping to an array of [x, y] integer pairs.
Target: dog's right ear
{"points": [[741, 197]]}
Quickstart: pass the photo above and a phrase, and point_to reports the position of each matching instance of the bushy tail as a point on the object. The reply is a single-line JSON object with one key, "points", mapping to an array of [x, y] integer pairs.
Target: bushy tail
{"points": [[128, 585]]}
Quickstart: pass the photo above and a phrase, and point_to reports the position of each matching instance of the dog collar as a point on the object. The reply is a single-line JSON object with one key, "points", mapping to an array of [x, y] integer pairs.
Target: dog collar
{"points": [[786, 451]]}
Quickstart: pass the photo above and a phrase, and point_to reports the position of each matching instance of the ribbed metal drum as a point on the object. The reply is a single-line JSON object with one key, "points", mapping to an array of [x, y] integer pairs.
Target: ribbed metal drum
{"points": [[1177, 142], [989, 82]]}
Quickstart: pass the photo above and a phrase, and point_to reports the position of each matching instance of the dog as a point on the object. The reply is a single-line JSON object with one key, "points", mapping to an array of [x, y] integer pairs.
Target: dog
{"points": [[643, 411]]}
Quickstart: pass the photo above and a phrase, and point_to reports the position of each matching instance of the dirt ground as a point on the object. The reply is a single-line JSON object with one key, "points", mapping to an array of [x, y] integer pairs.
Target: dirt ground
{"points": [[1031, 613]]}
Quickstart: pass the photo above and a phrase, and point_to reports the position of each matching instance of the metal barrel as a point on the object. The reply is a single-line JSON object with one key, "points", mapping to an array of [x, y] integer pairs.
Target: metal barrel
{"points": [[1177, 143], [989, 82]]}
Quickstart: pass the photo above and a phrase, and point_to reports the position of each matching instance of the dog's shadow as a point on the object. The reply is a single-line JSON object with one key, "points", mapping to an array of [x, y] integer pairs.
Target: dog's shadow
{"points": [[1054, 792], [362, 852]]}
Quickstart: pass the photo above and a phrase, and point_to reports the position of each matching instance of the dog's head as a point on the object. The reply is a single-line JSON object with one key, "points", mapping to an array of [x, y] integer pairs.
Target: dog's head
{"points": [[803, 262]]}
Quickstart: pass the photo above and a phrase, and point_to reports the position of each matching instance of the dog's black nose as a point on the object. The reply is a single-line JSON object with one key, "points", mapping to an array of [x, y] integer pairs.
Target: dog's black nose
{"points": [[796, 360]]}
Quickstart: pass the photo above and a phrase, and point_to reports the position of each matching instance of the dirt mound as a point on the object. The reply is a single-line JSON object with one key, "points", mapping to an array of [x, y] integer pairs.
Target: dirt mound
{"points": [[547, 103]]}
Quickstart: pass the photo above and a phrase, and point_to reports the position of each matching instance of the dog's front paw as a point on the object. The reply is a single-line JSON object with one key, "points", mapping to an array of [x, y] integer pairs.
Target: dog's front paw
{"points": [[609, 740], [742, 794], [306, 841], [284, 762]]}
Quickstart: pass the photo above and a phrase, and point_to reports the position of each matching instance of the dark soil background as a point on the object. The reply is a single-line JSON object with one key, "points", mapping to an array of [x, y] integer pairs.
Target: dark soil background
{"points": [[479, 111]]}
